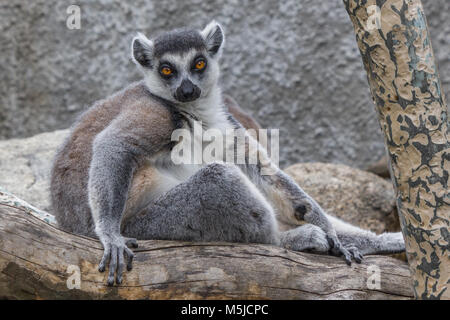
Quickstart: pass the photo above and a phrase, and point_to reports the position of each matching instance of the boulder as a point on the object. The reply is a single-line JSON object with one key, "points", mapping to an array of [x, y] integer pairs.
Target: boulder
{"points": [[359, 197], [25, 166]]}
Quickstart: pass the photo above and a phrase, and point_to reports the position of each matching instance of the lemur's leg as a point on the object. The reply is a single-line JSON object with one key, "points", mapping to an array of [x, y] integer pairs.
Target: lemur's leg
{"points": [[358, 242], [291, 203], [218, 203]]}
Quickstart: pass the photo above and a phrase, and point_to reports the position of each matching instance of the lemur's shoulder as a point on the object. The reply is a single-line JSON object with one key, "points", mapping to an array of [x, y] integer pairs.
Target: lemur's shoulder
{"points": [[135, 104], [133, 109]]}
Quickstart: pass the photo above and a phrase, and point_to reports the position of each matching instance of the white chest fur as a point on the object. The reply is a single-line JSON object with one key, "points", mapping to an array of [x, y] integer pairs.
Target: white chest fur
{"points": [[202, 116]]}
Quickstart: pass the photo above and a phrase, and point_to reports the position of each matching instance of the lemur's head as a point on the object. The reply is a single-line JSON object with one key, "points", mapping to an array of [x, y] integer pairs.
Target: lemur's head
{"points": [[182, 65]]}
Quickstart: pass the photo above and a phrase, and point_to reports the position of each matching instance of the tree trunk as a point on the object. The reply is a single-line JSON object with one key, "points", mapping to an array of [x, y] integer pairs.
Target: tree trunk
{"points": [[39, 261], [395, 46]]}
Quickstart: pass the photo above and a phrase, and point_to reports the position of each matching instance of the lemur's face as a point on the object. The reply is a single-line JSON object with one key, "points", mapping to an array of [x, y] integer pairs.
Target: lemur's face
{"points": [[182, 65]]}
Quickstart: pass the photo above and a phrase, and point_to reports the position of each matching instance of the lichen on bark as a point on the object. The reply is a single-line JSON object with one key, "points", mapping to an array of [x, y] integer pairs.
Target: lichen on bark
{"points": [[412, 112]]}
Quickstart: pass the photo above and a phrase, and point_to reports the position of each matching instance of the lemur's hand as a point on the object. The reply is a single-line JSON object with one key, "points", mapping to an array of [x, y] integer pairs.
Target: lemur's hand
{"points": [[310, 211], [357, 255], [348, 253], [115, 247]]}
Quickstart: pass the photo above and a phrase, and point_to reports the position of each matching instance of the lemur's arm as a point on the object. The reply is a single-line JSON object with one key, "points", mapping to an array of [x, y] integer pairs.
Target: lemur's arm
{"points": [[293, 204], [117, 150]]}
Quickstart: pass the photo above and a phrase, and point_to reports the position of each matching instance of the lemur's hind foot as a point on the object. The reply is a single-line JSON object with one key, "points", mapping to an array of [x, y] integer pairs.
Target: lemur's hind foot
{"points": [[311, 238], [357, 242]]}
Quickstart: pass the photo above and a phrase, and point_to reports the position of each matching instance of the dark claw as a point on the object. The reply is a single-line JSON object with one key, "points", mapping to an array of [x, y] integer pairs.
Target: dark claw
{"points": [[338, 250], [112, 265], [110, 281], [105, 259], [331, 242], [120, 266], [131, 242], [348, 260], [119, 278], [130, 264], [357, 256], [347, 255], [130, 256]]}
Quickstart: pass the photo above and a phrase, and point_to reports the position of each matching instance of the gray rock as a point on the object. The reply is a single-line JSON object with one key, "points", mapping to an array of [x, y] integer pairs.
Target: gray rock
{"points": [[294, 64], [25, 166], [359, 197]]}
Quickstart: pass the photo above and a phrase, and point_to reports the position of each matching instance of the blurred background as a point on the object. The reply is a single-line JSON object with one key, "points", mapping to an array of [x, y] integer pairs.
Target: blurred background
{"points": [[293, 64]]}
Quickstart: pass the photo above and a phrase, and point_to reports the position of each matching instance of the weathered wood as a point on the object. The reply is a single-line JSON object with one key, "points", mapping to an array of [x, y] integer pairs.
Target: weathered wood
{"points": [[36, 260], [393, 39]]}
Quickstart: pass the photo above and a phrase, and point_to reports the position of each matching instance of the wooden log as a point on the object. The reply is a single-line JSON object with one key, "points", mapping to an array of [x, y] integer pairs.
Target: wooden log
{"points": [[39, 261], [395, 46]]}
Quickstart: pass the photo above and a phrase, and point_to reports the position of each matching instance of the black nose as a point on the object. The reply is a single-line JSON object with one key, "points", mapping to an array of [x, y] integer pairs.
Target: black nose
{"points": [[187, 91]]}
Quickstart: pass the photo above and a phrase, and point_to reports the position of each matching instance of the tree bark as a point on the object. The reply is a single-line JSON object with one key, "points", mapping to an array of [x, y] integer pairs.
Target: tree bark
{"points": [[39, 261], [395, 46]]}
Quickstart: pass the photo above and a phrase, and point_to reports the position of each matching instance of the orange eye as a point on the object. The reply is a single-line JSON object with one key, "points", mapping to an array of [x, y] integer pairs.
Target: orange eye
{"points": [[166, 71], [200, 64]]}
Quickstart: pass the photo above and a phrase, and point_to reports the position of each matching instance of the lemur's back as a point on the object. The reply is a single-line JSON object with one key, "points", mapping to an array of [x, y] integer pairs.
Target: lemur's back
{"points": [[69, 180]]}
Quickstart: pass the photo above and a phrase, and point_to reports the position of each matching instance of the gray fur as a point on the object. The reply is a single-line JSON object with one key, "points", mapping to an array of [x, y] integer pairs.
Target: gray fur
{"points": [[213, 205], [214, 37], [178, 41], [305, 238], [114, 178]]}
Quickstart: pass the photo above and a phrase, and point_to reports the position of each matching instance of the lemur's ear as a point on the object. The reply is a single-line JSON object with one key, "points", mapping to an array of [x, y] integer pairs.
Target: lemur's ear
{"points": [[142, 51], [214, 38]]}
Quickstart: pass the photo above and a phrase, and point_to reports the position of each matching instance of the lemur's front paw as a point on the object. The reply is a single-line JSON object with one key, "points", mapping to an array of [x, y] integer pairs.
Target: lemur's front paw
{"points": [[356, 254], [318, 240], [337, 249], [114, 250]]}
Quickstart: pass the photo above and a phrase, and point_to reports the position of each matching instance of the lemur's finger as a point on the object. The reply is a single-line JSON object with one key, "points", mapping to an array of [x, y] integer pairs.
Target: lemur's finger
{"points": [[120, 266], [131, 242], [356, 254], [330, 241], [347, 255], [337, 249], [130, 256], [335, 246], [358, 258], [105, 259], [112, 265]]}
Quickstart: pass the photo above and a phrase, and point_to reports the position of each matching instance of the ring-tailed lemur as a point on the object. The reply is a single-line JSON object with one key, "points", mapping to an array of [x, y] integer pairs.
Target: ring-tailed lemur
{"points": [[114, 178]]}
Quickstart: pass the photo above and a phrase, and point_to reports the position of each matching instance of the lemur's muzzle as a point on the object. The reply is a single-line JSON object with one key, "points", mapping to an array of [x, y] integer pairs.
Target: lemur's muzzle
{"points": [[187, 91]]}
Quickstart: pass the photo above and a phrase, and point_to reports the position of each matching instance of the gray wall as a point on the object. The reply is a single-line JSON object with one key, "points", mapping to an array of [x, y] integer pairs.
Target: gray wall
{"points": [[293, 63]]}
